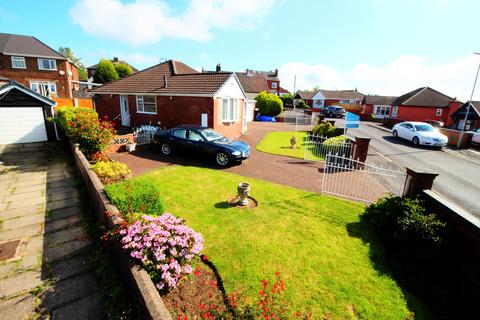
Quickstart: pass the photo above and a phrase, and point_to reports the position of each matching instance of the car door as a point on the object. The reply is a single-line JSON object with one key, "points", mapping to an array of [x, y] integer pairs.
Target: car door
{"points": [[409, 131], [195, 144], [179, 139]]}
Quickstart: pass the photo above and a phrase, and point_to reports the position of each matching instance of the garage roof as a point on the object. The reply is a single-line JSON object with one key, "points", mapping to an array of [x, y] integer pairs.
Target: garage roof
{"points": [[15, 85]]}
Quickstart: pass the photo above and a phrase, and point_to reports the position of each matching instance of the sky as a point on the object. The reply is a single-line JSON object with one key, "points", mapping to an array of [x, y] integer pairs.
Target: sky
{"points": [[377, 46]]}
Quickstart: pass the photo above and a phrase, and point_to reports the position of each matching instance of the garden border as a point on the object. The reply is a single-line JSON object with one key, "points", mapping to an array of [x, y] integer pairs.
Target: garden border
{"points": [[138, 281]]}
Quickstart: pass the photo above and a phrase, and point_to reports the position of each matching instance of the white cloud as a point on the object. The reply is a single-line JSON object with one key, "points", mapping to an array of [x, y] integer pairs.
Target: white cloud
{"points": [[454, 78], [148, 21]]}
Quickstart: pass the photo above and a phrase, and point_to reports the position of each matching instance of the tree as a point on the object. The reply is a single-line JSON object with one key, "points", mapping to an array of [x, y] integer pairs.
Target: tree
{"points": [[105, 72], [68, 53], [287, 99], [269, 104], [315, 88], [123, 69]]}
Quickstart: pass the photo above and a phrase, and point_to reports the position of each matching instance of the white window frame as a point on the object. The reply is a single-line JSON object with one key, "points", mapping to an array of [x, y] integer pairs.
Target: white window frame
{"points": [[439, 112], [40, 87], [230, 114], [16, 59], [394, 111], [274, 85], [51, 62], [141, 102]]}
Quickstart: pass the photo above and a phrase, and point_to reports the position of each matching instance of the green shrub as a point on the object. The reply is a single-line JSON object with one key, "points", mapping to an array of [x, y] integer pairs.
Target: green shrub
{"points": [[301, 104], [64, 115], [326, 129], [287, 98], [406, 221], [111, 171], [334, 141], [136, 196], [123, 70], [269, 104], [105, 72]]}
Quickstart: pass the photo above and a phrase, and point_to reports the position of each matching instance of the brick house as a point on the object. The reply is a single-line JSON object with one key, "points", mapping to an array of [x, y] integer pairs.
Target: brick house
{"points": [[424, 104], [350, 100], [32, 63], [379, 106], [305, 95], [271, 77], [473, 117], [171, 94]]}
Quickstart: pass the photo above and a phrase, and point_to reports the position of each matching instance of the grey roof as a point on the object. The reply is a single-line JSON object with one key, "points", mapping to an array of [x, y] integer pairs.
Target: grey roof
{"points": [[379, 100], [423, 97], [473, 112], [305, 94], [3, 78], [15, 44]]}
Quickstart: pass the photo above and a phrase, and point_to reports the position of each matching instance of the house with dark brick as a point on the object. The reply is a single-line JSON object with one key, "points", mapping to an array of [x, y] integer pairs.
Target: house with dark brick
{"points": [[424, 104], [93, 68], [35, 65], [171, 94], [379, 106]]}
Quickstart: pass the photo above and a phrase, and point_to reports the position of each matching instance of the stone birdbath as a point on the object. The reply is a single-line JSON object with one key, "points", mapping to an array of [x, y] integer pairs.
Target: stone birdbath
{"points": [[243, 191]]}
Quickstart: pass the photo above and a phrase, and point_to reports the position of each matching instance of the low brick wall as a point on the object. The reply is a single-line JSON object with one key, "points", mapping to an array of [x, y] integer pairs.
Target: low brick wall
{"points": [[454, 136], [141, 287], [119, 142]]}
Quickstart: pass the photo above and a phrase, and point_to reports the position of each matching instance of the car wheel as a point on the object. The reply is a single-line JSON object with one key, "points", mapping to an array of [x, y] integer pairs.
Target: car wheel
{"points": [[416, 141], [166, 148], [222, 159], [395, 134]]}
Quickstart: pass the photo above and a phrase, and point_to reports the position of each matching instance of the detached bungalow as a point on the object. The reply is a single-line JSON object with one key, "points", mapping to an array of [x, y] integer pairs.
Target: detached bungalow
{"points": [[424, 104], [350, 100], [379, 106], [171, 94], [473, 119], [304, 95]]}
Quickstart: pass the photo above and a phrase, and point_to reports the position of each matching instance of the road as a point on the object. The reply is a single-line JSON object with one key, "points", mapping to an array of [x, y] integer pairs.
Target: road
{"points": [[458, 180]]}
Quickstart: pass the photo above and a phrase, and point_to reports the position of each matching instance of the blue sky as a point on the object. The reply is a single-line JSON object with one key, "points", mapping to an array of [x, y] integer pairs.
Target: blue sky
{"points": [[379, 46]]}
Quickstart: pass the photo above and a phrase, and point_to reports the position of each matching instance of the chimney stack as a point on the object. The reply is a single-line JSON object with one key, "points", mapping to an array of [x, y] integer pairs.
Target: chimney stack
{"points": [[115, 59], [276, 72], [165, 80], [219, 67]]}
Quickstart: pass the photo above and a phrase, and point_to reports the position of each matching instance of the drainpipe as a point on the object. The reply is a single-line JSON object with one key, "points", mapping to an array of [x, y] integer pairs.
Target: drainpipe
{"points": [[54, 124]]}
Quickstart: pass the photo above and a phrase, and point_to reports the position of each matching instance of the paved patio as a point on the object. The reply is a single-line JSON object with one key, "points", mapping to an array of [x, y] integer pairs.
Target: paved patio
{"points": [[279, 169], [50, 272]]}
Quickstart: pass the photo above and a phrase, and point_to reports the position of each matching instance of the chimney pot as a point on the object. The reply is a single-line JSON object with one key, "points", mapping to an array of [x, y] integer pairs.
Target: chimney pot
{"points": [[115, 59], [219, 67]]}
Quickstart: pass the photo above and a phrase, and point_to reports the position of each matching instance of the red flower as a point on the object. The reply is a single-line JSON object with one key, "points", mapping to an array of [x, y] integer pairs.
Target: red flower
{"points": [[204, 258]]}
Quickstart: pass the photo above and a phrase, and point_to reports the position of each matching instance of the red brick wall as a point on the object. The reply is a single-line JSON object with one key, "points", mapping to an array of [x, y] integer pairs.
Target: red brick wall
{"points": [[453, 106], [367, 109], [23, 76], [417, 113], [172, 112]]}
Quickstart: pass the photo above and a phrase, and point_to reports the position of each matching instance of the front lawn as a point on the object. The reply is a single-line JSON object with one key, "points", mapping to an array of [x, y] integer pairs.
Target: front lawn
{"points": [[329, 260], [279, 143]]}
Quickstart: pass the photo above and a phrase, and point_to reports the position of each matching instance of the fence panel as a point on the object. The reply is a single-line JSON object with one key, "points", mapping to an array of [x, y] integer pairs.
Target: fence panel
{"points": [[352, 179], [317, 150], [144, 134]]}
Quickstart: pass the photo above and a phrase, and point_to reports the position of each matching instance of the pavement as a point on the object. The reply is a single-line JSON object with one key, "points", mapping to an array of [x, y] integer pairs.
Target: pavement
{"points": [[459, 171], [48, 271]]}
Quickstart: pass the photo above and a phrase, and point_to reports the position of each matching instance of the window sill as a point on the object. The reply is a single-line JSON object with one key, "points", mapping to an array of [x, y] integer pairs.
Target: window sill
{"points": [[142, 112], [47, 69], [229, 123], [19, 68]]}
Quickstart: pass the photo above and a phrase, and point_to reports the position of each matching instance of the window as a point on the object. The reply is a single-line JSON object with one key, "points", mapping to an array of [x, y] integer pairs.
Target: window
{"points": [[274, 85], [146, 104], [194, 136], [180, 133], [229, 110], [18, 63], [47, 64], [394, 112], [439, 112], [381, 111], [347, 101], [45, 88]]}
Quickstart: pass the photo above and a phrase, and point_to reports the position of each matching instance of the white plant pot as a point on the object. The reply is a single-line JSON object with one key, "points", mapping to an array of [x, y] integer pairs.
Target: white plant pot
{"points": [[131, 147]]}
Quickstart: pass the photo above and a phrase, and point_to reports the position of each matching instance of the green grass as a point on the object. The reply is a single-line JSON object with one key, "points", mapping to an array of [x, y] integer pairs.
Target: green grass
{"points": [[279, 143], [329, 259]]}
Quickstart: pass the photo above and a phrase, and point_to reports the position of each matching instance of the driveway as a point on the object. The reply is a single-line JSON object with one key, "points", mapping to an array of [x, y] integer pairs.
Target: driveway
{"points": [[459, 176], [293, 172], [45, 254]]}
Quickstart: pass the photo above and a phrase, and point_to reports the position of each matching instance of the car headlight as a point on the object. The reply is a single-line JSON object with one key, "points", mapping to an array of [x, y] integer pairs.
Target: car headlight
{"points": [[236, 153]]}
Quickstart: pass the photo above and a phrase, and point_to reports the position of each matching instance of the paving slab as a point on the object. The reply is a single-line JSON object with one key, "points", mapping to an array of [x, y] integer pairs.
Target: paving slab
{"points": [[56, 214], [24, 221], [65, 250], [62, 236], [60, 224], [21, 307], [19, 283], [20, 212], [89, 307], [19, 233], [70, 267]]}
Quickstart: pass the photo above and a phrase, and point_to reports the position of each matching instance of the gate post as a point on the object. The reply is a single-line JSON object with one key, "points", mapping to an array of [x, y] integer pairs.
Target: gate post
{"points": [[417, 181], [361, 148]]}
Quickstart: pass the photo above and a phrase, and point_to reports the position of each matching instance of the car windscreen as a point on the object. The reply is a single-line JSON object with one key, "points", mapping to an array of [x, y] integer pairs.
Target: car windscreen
{"points": [[424, 127], [211, 135]]}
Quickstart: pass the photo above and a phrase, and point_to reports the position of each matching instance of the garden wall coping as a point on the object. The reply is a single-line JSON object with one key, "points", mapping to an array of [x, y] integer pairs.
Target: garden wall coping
{"points": [[138, 282]]}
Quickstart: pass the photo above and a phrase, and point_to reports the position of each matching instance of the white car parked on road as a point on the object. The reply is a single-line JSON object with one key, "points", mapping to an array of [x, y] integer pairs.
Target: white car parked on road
{"points": [[420, 133]]}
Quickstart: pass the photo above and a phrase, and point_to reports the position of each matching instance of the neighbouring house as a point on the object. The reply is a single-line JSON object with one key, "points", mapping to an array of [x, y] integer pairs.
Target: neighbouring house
{"points": [[271, 77], [91, 70], [171, 94], [252, 85], [282, 91], [32, 63], [305, 95], [350, 100], [24, 115], [3, 80], [424, 104], [379, 106], [473, 119]]}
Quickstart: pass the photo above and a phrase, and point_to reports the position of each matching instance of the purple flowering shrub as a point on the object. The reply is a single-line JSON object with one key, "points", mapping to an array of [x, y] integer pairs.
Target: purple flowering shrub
{"points": [[165, 247]]}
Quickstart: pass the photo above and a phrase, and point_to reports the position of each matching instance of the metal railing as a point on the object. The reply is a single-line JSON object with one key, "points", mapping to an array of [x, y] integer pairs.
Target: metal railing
{"points": [[352, 179], [316, 149], [144, 134]]}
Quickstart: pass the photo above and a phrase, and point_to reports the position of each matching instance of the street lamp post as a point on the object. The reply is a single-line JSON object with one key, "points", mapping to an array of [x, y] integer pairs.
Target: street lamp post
{"points": [[468, 106]]}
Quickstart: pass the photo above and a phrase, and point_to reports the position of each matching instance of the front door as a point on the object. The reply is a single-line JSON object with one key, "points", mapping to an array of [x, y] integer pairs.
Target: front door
{"points": [[125, 112]]}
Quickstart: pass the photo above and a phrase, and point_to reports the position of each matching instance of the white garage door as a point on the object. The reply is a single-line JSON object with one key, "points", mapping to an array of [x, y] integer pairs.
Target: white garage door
{"points": [[21, 125]]}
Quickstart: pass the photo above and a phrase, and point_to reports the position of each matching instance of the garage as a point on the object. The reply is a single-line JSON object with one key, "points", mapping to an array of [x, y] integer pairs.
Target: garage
{"points": [[23, 115]]}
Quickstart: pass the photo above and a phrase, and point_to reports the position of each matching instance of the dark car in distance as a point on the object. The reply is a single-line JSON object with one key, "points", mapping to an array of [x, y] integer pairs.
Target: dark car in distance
{"points": [[334, 112], [197, 140]]}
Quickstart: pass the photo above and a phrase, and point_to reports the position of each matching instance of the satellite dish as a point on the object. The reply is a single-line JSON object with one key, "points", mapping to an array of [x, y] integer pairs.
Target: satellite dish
{"points": [[61, 72]]}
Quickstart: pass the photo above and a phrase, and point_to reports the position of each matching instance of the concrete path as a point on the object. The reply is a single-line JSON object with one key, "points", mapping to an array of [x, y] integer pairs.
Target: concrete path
{"points": [[45, 269]]}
